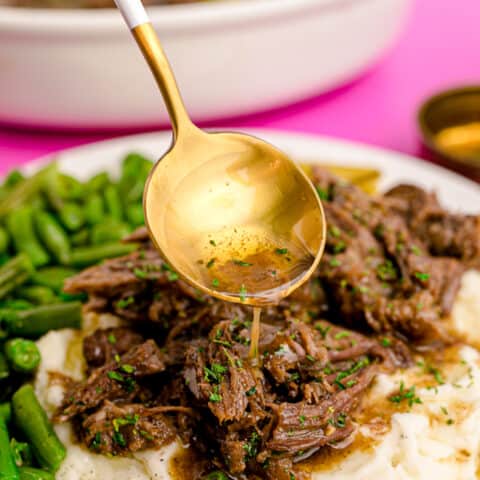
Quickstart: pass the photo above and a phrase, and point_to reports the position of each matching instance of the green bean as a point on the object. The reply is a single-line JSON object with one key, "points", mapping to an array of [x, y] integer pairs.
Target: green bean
{"points": [[113, 202], [53, 236], [94, 209], [135, 163], [23, 191], [29, 473], [6, 411], [4, 369], [22, 355], [72, 216], [52, 277], [37, 294], [4, 240], [16, 304], [8, 469], [32, 421], [70, 188], [20, 227], [4, 258], [134, 214], [22, 453], [80, 238], [85, 256], [37, 321], [98, 182], [135, 170], [72, 297], [13, 178], [15, 273], [38, 203], [109, 231]]}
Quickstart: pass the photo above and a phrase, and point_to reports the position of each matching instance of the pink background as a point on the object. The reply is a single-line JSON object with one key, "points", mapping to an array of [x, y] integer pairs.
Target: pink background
{"points": [[439, 49]]}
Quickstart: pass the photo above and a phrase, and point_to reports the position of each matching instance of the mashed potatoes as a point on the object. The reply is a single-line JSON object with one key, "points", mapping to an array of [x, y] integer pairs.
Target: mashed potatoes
{"points": [[437, 439]]}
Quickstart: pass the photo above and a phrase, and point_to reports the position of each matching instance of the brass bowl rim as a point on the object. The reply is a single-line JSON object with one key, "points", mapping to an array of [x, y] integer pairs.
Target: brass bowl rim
{"points": [[426, 131]]}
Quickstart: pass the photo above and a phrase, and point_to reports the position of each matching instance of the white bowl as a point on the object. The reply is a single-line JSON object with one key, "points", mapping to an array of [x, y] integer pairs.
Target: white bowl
{"points": [[81, 68]]}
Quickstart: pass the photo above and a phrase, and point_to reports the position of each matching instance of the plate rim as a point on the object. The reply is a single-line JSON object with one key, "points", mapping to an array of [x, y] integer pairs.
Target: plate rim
{"points": [[265, 133]]}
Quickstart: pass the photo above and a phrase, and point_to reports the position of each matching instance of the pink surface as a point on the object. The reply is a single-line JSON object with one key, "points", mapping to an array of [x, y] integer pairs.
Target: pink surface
{"points": [[439, 49]]}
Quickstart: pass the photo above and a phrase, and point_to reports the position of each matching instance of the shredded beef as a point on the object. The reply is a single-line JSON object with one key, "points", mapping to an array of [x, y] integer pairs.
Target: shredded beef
{"points": [[113, 381], [380, 269], [102, 346], [390, 273]]}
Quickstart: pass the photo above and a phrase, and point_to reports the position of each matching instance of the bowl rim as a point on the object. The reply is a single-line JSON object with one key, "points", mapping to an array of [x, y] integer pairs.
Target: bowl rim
{"points": [[192, 16]]}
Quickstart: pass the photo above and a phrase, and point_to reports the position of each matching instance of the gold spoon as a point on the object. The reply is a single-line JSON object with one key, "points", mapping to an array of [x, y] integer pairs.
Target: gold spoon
{"points": [[233, 215]]}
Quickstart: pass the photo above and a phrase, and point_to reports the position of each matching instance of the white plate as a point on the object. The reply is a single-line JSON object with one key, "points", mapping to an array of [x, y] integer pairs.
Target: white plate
{"points": [[81, 68], [455, 191]]}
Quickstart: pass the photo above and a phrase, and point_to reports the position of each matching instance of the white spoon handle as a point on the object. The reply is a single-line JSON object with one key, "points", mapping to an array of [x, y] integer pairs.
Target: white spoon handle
{"points": [[133, 12]]}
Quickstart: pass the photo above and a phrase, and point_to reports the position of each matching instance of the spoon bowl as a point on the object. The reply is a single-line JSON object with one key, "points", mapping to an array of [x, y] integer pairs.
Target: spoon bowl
{"points": [[237, 218], [231, 214]]}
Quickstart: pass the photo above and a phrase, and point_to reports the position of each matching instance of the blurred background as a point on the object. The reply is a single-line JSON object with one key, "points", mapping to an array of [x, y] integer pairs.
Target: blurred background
{"points": [[354, 69]]}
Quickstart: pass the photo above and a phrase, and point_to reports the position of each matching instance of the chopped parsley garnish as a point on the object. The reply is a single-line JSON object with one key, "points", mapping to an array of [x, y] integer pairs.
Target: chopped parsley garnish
{"points": [[127, 368], [118, 377], [112, 339], [334, 231], [335, 262], [302, 419], [404, 394], [213, 242], [146, 435], [251, 446], [386, 342], [281, 251], [97, 441], [294, 376], [243, 293], [450, 421], [310, 358], [341, 420], [437, 375], [127, 420], [210, 263], [214, 373], [323, 330], [139, 273], [251, 391], [323, 194], [215, 397], [119, 439], [215, 282], [218, 339], [339, 247], [422, 276], [387, 271], [444, 410], [341, 335], [415, 250], [125, 302], [346, 373], [351, 383], [241, 263], [172, 275]]}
